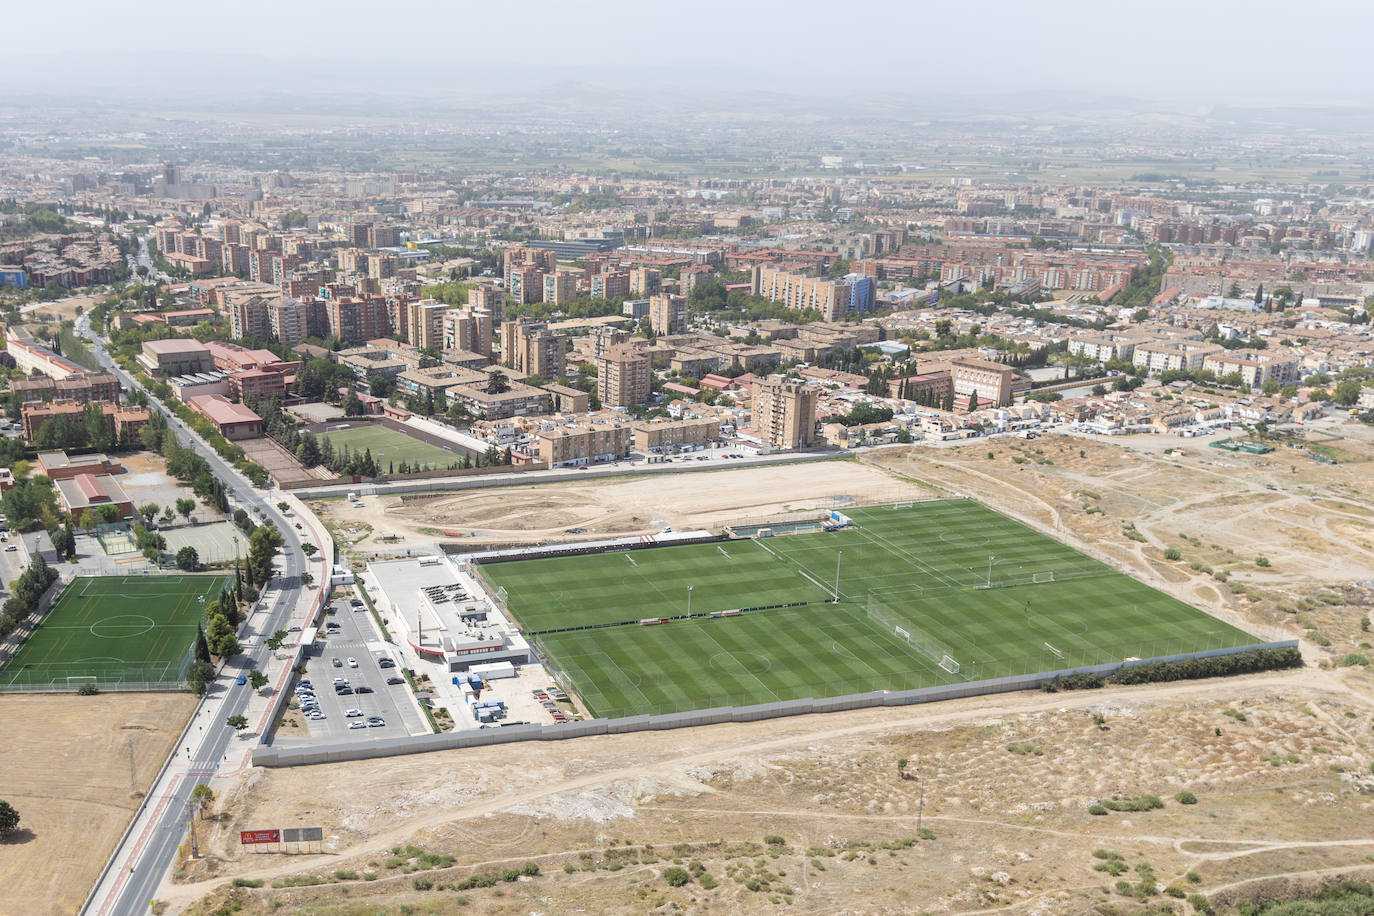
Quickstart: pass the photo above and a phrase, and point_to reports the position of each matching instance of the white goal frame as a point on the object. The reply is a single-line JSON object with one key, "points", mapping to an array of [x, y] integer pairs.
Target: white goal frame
{"points": [[949, 664]]}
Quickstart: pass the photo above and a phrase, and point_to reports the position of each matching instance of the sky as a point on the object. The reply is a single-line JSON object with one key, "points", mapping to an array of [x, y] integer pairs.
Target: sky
{"points": [[1182, 51]]}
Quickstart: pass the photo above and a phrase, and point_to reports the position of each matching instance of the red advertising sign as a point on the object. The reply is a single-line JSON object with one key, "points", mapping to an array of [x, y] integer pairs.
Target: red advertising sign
{"points": [[250, 837]]}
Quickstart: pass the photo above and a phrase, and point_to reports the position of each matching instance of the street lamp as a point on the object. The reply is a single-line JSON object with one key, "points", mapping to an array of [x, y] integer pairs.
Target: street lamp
{"points": [[689, 601]]}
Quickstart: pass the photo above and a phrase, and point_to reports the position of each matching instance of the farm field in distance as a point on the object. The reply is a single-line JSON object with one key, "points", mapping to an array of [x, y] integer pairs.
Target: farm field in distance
{"points": [[941, 581]]}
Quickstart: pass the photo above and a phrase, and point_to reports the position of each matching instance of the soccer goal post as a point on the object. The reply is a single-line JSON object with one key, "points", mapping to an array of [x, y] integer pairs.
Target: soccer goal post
{"points": [[949, 664], [76, 682], [883, 610], [1046, 576], [1053, 651]]}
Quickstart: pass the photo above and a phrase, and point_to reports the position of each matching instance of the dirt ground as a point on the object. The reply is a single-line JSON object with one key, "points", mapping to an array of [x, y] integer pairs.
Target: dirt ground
{"points": [[1275, 763], [61, 310], [809, 815], [76, 769], [614, 507]]}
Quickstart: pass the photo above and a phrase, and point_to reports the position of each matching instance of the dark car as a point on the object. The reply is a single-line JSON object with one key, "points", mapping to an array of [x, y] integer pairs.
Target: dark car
{"points": [[393, 681], [343, 691], [362, 690]]}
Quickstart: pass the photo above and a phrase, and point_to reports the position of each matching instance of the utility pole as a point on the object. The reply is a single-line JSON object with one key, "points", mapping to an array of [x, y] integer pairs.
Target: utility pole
{"points": [[195, 849], [839, 555], [921, 805]]}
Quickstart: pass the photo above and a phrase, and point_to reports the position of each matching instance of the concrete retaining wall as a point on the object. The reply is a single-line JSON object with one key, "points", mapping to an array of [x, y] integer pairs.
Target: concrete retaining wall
{"points": [[265, 756]]}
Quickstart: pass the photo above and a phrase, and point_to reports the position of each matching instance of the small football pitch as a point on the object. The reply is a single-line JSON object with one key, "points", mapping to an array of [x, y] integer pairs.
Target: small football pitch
{"points": [[114, 630], [929, 593]]}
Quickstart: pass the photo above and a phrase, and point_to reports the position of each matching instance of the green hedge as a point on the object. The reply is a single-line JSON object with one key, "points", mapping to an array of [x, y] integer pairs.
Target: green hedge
{"points": [[1185, 669]]}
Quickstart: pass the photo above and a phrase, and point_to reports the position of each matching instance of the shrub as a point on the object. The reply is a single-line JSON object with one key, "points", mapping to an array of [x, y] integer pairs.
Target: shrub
{"points": [[1173, 890], [676, 877], [706, 880], [1185, 798], [421, 884], [1235, 714], [1200, 904], [342, 875], [926, 833], [569, 867], [1139, 803], [87, 690], [1097, 809], [509, 874], [1218, 666], [1261, 560], [247, 882], [530, 869], [1354, 658], [774, 840], [1193, 877], [1171, 553]]}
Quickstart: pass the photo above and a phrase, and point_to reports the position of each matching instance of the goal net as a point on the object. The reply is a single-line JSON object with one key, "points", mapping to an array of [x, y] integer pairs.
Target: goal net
{"points": [[76, 682], [1053, 651], [883, 610], [1046, 576]]}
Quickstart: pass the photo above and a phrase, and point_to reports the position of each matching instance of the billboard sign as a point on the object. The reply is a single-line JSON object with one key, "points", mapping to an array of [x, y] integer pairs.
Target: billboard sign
{"points": [[252, 837], [302, 835]]}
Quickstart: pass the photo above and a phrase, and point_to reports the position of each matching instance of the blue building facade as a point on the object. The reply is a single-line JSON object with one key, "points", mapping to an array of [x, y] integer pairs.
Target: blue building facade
{"points": [[14, 276]]}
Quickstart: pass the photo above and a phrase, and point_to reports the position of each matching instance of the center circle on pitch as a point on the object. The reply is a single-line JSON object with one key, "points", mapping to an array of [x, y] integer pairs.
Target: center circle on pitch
{"points": [[750, 661], [122, 626]]}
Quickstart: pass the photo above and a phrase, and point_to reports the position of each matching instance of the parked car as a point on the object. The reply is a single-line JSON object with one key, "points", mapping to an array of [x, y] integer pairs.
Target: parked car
{"points": [[352, 662], [375, 721], [393, 681], [336, 663], [357, 725], [353, 713], [362, 690], [385, 662]]}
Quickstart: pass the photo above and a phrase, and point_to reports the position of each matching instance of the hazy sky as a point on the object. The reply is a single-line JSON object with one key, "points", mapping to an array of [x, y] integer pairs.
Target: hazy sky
{"points": [[1184, 50]]}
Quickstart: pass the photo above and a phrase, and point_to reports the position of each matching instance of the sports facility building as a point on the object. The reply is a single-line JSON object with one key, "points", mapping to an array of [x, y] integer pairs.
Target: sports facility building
{"points": [[444, 616]]}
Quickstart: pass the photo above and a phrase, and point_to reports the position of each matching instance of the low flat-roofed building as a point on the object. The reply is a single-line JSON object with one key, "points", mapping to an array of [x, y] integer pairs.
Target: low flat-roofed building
{"points": [[444, 616], [234, 421], [669, 435], [175, 356], [185, 387], [569, 400], [89, 492], [61, 466]]}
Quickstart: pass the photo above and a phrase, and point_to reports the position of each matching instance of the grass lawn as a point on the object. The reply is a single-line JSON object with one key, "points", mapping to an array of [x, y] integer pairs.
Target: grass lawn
{"points": [[390, 447], [916, 584], [114, 628]]}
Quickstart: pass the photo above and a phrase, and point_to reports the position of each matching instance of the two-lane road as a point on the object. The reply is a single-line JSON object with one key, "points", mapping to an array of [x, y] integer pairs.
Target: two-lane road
{"points": [[143, 860]]}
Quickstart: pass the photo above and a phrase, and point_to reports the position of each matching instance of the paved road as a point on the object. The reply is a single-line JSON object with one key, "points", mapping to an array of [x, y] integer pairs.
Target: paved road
{"points": [[143, 860]]}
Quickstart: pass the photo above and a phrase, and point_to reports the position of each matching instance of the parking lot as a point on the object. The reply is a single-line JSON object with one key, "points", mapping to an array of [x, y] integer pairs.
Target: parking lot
{"points": [[372, 697]]}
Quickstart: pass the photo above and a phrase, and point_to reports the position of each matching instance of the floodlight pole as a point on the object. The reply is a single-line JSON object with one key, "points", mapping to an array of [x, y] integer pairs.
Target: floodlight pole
{"points": [[689, 601], [839, 555], [991, 557]]}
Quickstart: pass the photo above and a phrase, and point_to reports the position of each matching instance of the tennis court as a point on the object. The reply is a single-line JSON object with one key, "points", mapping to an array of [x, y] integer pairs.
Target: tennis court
{"points": [[928, 593], [112, 630]]}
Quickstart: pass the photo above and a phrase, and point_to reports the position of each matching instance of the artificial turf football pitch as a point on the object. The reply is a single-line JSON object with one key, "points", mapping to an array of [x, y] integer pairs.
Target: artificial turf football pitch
{"points": [[943, 580], [115, 629]]}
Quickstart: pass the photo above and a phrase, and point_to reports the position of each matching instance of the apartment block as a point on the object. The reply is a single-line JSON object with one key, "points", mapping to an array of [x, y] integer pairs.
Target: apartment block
{"points": [[645, 281], [517, 401], [355, 320], [668, 314], [1255, 368], [1164, 356], [425, 323], [467, 329], [832, 298], [286, 320], [624, 376], [990, 382], [583, 443], [525, 285], [669, 435], [784, 412], [530, 347], [560, 287], [249, 318], [613, 284]]}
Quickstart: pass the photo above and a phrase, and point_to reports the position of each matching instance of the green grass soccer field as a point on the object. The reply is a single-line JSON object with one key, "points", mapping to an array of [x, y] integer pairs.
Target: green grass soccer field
{"points": [[390, 448], [930, 593], [114, 629]]}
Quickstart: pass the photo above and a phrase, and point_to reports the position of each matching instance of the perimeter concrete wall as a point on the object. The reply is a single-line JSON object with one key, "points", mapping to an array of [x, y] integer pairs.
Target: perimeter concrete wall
{"points": [[266, 756]]}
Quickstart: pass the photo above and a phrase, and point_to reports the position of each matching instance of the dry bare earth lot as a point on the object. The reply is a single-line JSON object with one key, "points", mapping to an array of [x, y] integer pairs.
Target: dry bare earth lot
{"points": [[1279, 763], [76, 769], [618, 506], [1007, 789]]}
